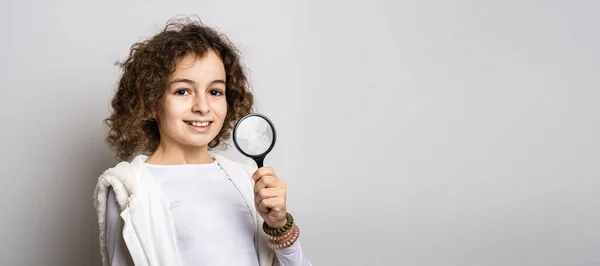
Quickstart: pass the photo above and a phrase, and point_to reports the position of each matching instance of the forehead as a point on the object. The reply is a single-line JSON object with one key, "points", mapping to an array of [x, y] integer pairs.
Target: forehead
{"points": [[205, 68]]}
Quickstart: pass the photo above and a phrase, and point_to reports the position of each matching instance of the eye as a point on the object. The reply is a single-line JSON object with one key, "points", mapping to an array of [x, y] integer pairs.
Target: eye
{"points": [[215, 92], [182, 92]]}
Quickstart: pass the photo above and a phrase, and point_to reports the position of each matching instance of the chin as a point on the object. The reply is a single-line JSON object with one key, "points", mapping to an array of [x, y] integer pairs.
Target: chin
{"points": [[198, 142]]}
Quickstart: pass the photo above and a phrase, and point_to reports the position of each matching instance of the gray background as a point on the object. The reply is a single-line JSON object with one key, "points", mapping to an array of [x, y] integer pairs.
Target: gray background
{"points": [[410, 132]]}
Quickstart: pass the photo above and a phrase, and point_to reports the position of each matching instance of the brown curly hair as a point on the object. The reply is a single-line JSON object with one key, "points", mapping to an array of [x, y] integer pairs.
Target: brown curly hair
{"points": [[141, 88]]}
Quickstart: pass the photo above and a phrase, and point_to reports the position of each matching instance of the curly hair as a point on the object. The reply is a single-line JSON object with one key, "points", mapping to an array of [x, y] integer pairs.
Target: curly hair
{"points": [[141, 88]]}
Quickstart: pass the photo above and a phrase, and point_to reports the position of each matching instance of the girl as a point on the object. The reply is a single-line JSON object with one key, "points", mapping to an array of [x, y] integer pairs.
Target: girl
{"points": [[176, 202]]}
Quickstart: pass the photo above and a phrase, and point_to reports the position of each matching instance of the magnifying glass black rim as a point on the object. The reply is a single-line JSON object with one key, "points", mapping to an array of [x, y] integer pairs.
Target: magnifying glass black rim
{"points": [[262, 155]]}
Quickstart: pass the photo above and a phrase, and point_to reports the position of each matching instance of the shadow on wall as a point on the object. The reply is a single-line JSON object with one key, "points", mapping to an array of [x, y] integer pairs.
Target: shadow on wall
{"points": [[91, 157], [79, 156]]}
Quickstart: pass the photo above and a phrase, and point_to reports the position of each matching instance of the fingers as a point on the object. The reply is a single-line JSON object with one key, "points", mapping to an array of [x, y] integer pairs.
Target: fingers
{"points": [[275, 204], [263, 171], [268, 182], [270, 192], [266, 193]]}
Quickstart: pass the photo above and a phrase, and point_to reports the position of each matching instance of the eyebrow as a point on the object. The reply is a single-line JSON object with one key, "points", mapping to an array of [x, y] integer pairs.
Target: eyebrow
{"points": [[191, 82]]}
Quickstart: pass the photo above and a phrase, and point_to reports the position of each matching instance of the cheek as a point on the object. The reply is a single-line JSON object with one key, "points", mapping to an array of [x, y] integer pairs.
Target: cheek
{"points": [[172, 112], [221, 110]]}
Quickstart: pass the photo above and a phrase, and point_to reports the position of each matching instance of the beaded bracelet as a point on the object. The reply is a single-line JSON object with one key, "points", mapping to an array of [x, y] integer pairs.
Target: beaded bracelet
{"points": [[279, 231], [275, 245], [283, 237]]}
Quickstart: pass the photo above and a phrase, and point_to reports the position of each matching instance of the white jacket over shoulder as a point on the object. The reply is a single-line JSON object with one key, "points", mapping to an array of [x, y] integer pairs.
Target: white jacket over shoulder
{"points": [[148, 229]]}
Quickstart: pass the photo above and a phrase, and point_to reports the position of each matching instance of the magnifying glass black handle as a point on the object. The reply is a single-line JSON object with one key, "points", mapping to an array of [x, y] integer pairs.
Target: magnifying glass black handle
{"points": [[259, 161]]}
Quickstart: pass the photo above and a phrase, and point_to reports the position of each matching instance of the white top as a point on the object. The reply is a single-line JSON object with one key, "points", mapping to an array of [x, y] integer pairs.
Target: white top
{"points": [[212, 222]]}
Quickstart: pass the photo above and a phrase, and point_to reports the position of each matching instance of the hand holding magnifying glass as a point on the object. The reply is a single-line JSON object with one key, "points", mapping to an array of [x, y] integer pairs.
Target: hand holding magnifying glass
{"points": [[254, 136]]}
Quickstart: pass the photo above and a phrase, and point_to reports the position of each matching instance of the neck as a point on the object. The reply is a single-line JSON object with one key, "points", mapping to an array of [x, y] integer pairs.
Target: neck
{"points": [[167, 154]]}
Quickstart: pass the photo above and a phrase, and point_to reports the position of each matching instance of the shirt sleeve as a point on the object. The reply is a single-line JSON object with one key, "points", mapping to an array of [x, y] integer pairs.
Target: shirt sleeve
{"points": [[292, 256], [118, 255]]}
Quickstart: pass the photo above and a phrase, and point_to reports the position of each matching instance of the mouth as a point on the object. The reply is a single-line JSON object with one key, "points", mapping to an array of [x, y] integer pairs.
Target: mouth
{"points": [[200, 124]]}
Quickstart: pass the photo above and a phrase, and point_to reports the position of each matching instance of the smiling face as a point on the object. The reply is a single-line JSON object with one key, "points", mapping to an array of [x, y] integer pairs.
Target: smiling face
{"points": [[194, 105]]}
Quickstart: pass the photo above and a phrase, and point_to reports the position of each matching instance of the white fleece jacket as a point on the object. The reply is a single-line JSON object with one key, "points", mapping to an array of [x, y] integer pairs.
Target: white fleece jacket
{"points": [[148, 229]]}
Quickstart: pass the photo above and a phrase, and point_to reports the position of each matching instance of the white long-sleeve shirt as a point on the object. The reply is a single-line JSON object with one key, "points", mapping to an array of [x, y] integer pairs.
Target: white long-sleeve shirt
{"points": [[213, 224]]}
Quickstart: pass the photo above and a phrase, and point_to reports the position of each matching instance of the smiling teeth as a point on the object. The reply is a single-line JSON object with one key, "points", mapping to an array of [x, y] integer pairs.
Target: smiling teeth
{"points": [[200, 124]]}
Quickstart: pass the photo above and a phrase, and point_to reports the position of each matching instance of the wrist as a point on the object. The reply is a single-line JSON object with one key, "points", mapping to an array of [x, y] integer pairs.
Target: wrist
{"points": [[280, 229], [278, 225], [284, 241], [284, 236]]}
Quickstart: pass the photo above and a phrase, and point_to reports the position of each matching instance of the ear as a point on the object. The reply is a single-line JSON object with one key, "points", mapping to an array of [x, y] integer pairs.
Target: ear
{"points": [[154, 115], [150, 119]]}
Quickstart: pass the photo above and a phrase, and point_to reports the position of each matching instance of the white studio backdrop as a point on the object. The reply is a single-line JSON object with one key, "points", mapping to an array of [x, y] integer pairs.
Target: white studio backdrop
{"points": [[409, 132]]}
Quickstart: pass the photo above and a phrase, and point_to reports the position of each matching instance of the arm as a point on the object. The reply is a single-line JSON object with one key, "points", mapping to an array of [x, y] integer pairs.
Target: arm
{"points": [[270, 198], [118, 254], [292, 256]]}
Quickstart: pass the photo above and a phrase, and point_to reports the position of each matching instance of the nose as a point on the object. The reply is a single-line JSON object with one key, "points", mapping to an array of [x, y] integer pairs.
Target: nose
{"points": [[201, 104]]}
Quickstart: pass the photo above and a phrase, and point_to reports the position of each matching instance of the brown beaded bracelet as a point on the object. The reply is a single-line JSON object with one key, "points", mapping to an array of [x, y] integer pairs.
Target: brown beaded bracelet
{"points": [[279, 231], [275, 245]]}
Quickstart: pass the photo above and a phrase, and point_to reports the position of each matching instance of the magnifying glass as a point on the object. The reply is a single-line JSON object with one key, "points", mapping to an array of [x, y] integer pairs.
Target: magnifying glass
{"points": [[254, 136]]}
